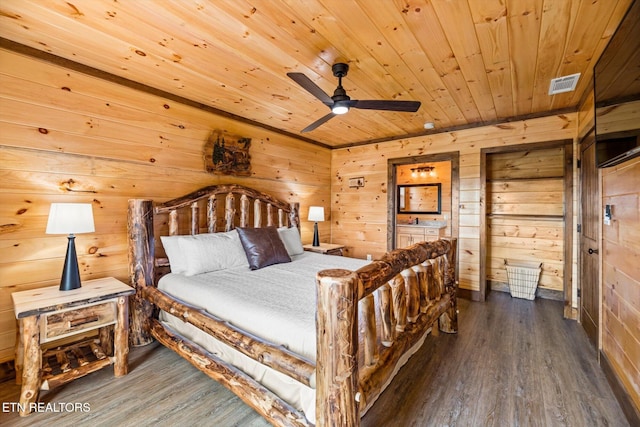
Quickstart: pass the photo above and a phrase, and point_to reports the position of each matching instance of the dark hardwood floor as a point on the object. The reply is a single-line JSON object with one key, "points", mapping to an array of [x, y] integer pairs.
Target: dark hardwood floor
{"points": [[513, 363]]}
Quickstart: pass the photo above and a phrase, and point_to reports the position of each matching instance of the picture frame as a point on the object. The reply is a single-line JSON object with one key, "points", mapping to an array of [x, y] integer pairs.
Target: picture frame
{"points": [[226, 154]]}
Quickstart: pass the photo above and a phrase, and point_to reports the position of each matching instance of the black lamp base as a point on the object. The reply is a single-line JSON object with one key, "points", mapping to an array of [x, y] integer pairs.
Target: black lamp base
{"points": [[71, 273], [316, 237]]}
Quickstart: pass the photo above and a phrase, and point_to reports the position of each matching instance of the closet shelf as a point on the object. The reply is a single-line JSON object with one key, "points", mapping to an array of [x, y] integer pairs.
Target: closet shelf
{"points": [[523, 216]]}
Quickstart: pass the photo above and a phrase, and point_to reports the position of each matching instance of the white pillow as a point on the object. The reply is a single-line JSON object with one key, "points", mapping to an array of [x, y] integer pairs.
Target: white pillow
{"points": [[172, 249], [202, 253], [291, 239]]}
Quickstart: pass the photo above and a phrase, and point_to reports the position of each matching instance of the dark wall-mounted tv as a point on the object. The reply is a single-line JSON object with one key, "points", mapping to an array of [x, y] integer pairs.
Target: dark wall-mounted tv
{"points": [[617, 93], [615, 151]]}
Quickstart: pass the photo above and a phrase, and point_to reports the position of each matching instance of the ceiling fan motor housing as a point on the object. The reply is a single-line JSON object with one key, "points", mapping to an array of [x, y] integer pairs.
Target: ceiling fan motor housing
{"points": [[340, 69]]}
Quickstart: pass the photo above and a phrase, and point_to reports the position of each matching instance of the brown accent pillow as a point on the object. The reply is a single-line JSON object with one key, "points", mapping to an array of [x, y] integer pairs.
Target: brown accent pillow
{"points": [[263, 246]]}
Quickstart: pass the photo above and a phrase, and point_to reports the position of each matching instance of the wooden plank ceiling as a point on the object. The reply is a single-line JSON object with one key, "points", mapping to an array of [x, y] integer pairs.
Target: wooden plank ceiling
{"points": [[469, 62]]}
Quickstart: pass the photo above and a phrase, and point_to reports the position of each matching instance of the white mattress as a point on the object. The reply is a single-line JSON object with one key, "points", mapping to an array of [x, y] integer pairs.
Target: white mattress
{"points": [[276, 303]]}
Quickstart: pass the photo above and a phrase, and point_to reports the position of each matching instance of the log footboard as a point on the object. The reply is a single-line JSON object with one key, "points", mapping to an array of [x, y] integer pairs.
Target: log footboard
{"points": [[343, 388]]}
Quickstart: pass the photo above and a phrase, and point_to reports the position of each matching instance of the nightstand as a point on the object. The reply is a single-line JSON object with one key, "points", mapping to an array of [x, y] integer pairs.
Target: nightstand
{"points": [[325, 248], [48, 314]]}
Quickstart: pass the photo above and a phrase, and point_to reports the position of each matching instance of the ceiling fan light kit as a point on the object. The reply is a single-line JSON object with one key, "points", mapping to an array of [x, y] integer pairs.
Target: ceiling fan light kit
{"points": [[339, 108], [341, 103]]}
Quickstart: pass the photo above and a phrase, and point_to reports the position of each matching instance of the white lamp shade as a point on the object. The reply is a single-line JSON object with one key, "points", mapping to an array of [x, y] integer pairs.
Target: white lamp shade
{"points": [[70, 218], [316, 213]]}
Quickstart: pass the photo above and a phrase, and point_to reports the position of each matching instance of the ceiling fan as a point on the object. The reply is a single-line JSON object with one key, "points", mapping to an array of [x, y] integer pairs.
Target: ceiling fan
{"points": [[340, 103]]}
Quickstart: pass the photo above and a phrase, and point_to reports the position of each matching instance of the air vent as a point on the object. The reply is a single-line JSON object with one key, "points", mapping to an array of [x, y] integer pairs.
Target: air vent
{"points": [[563, 84]]}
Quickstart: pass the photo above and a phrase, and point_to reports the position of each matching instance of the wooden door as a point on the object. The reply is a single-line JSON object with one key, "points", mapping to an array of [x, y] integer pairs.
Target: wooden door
{"points": [[589, 256]]}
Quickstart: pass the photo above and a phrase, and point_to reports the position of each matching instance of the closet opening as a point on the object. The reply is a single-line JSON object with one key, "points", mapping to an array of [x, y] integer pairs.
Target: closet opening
{"points": [[527, 215]]}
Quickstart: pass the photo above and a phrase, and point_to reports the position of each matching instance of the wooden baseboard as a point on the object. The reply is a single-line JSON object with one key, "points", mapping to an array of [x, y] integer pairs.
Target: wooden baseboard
{"points": [[628, 408], [540, 292], [7, 371], [469, 294]]}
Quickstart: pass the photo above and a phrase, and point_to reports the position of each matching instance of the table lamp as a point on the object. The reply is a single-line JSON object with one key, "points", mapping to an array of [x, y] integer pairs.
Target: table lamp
{"points": [[316, 214], [70, 218]]}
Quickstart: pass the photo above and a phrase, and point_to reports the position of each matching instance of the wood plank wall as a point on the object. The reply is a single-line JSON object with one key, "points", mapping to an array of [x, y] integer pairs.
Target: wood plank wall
{"points": [[525, 210], [621, 274], [361, 224], [620, 251], [68, 137]]}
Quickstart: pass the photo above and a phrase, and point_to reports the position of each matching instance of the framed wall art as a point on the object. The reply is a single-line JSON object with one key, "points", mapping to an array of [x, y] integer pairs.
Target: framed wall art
{"points": [[226, 154]]}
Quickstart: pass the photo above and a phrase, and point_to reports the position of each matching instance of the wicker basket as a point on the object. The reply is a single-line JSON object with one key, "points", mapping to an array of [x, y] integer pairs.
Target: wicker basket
{"points": [[523, 278]]}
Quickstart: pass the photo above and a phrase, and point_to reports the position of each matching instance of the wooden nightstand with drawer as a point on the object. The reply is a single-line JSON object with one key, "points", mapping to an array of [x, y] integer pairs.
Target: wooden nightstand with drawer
{"points": [[46, 315], [325, 248]]}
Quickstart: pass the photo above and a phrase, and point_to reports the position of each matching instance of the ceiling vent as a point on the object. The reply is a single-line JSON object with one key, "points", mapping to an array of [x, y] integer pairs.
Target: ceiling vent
{"points": [[563, 84]]}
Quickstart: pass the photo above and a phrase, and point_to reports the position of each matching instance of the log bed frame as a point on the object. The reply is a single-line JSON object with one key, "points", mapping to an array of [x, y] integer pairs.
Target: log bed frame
{"points": [[416, 288]]}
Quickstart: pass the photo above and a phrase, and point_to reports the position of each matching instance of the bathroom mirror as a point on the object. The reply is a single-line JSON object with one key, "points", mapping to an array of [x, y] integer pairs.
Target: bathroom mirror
{"points": [[419, 198]]}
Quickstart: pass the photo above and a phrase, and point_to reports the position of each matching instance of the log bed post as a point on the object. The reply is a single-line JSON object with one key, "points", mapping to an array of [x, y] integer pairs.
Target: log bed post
{"points": [[229, 212], [173, 222], [386, 317], [212, 205], [141, 268], [337, 349], [412, 294], [195, 212], [270, 222], [244, 211], [399, 300], [257, 213], [369, 331], [293, 215], [448, 321]]}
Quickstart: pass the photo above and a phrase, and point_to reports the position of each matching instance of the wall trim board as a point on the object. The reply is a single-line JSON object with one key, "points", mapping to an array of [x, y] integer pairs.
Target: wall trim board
{"points": [[7, 371], [450, 129], [540, 292], [525, 147], [628, 408], [469, 294]]}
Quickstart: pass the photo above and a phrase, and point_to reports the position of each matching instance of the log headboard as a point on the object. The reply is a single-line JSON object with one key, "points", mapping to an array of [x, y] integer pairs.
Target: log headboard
{"points": [[265, 209], [220, 208], [211, 209]]}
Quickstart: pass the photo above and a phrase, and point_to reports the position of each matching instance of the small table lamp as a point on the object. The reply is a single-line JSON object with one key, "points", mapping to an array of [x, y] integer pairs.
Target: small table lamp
{"points": [[316, 214], [70, 218]]}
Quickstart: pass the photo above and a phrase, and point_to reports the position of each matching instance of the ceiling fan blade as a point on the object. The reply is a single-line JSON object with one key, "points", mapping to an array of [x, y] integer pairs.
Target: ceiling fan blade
{"points": [[318, 122], [307, 84], [406, 106]]}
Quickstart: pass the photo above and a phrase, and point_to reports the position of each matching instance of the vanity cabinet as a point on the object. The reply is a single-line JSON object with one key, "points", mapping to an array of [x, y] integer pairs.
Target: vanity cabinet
{"points": [[407, 235]]}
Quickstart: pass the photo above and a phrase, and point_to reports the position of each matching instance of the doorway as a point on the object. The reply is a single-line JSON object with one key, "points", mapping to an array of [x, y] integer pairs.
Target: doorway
{"points": [[527, 215], [398, 171]]}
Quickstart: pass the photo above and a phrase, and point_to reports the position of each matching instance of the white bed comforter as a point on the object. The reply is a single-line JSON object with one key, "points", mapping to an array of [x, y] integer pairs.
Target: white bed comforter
{"points": [[276, 303]]}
